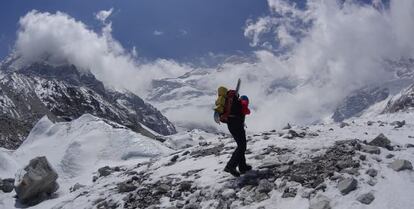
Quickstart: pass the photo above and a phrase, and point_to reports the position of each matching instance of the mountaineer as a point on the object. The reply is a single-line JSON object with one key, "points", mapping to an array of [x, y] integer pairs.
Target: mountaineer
{"points": [[232, 109]]}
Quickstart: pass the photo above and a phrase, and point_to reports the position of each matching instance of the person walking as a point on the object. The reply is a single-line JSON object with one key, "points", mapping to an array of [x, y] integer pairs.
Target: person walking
{"points": [[237, 109]]}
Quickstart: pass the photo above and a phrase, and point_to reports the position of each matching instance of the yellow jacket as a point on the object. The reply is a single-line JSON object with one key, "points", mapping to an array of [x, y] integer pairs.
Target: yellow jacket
{"points": [[221, 100]]}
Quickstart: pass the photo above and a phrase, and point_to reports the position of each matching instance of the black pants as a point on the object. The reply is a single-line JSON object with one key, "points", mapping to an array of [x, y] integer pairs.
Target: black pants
{"points": [[236, 128]]}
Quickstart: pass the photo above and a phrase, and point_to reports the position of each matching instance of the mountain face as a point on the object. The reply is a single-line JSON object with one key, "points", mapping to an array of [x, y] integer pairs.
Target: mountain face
{"points": [[63, 93], [358, 101], [403, 101], [361, 99]]}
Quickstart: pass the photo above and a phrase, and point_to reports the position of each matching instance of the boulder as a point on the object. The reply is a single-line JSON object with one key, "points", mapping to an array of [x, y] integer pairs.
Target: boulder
{"points": [[174, 158], [399, 165], [126, 187], [104, 171], [36, 181], [343, 124], [398, 124], [7, 185], [289, 192], [288, 126], [228, 193], [409, 145], [76, 187], [372, 172], [388, 156], [366, 198], [381, 141], [347, 185], [258, 197], [264, 186], [185, 186], [321, 204]]}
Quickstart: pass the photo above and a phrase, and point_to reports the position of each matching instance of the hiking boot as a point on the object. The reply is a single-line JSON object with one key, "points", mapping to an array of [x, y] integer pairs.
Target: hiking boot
{"points": [[232, 171], [244, 169]]}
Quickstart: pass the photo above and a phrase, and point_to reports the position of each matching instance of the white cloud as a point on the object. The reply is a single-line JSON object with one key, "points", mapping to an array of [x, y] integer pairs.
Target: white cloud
{"points": [[103, 15], [158, 33], [341, 48], [329, 50], [134, 52], [183, 32], [61, 39]]}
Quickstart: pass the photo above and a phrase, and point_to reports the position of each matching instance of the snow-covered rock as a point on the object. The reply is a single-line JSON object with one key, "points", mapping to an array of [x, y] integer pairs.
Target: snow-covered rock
{"points": [[366, 198], [399, 165], [381, 141], [347, 185]]}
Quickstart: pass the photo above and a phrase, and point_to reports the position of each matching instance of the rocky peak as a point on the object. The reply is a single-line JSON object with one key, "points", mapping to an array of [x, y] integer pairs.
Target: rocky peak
{"points": [[64, 93]]}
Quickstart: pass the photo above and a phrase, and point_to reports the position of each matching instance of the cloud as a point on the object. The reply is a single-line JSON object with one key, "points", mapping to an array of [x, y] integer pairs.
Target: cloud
{"points": [[336, 49], [103, 15], [158, 33], [60, 39], [183, 32], [307, 59], [286, 25]]}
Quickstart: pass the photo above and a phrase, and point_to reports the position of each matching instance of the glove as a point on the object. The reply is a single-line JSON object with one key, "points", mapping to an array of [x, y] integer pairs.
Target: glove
{"points": [[217, 117]]}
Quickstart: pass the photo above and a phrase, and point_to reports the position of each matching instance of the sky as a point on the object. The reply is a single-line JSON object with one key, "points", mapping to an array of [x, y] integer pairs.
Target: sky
{"points": [[183, 30], [307, 55]]}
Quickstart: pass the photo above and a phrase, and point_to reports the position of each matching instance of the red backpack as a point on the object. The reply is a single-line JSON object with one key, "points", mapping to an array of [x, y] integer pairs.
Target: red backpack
{"points": [[231, 95]]}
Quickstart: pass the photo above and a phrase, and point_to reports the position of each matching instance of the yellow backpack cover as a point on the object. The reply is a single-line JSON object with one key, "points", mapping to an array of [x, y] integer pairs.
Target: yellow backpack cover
{"points": [[221, 99]]}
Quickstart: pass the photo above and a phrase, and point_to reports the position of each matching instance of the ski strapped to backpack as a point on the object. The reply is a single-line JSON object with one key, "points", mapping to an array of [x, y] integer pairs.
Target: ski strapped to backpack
{"points": [[231, 94]]}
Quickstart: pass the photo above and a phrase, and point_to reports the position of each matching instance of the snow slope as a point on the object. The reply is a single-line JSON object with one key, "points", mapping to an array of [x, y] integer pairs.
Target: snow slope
{"points": [[76, 150], [201, 165]]}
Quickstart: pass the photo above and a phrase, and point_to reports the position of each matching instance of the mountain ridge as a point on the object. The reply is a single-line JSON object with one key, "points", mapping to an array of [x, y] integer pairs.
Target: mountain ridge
{"points": [[64, 93]]}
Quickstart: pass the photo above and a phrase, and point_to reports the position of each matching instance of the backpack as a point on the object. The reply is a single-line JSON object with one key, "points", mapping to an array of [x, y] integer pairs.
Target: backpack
{"points": [[231, 95], [221, 99]]}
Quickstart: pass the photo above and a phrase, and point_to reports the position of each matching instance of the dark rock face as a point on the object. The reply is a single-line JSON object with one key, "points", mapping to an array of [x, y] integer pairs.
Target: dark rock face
{"points": [[63, 94], [402, 102], [358, 101], [37, 183]]}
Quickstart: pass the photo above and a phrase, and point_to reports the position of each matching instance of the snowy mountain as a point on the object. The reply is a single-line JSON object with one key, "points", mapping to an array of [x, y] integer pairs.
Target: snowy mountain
{"points": [[301, 167], [64, 93], [361, 99], [364, 161]]}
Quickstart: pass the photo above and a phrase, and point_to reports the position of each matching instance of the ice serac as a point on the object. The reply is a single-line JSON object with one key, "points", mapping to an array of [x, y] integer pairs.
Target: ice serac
{"points": [[63, 93]]}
